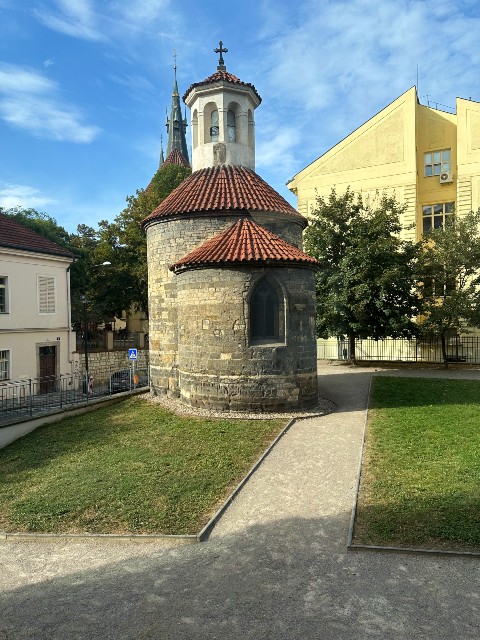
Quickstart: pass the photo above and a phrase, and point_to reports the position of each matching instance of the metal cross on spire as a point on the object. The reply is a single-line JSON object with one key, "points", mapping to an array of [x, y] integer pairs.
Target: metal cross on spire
{"points": [[221, 50]]}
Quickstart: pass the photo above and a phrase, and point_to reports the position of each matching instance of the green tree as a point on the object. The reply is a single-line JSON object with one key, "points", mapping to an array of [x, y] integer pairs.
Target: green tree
{"points": [[449, 279], [123, 243], [365, 285]]}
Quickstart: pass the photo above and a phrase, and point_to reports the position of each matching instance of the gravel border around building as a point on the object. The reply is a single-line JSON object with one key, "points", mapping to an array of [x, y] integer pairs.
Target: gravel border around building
{"points": [[323, 408]]}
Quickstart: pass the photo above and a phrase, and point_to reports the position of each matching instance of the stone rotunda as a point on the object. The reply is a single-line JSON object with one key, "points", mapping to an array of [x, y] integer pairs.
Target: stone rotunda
{"points": [[231, 293]]}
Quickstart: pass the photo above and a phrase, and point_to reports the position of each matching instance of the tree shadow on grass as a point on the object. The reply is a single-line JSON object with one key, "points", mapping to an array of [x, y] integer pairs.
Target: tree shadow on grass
{"points": [[443, 522]]}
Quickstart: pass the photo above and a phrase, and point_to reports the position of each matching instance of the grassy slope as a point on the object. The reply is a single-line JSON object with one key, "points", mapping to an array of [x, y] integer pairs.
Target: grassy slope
{"points": [[130, 468]]}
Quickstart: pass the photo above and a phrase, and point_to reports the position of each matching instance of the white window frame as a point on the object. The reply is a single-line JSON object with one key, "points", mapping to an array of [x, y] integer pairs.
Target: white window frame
{"points": [[436, 162], [50, 303], [5, 364], [5, 288]]}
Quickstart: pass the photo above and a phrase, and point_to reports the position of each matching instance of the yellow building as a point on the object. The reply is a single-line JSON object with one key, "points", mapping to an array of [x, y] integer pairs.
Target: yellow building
{"points": [[428, 158]]}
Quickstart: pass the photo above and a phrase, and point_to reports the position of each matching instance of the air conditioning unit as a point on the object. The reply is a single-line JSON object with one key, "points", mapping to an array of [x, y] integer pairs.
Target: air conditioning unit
{"points": [[446, 177]]}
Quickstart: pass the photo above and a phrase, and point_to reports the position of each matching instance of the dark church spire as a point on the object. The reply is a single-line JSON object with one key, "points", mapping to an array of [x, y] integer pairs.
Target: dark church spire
{"points": [[162, 157], [176, 124]]}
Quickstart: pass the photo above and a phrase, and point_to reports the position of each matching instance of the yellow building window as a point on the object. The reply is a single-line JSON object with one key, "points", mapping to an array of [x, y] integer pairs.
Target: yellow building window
{"points": [[437, 162], [435, 215]]}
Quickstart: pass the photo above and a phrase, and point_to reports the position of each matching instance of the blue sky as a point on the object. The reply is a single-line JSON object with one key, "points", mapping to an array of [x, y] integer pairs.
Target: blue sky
{"points": [[84, 84]]}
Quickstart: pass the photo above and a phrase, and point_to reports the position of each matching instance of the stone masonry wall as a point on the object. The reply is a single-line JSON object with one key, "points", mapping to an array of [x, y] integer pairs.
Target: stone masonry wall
{"points": [[167, 241], [218, 365], [102, 363], [287, 227]]}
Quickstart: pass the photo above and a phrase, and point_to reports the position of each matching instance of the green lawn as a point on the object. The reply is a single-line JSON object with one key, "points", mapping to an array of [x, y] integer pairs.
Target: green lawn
{"points": [[129, 468], [421, 470]]}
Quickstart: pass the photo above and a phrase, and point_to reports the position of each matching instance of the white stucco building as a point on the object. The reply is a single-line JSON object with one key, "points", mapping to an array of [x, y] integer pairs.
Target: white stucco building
{"points": [[36, 339]]}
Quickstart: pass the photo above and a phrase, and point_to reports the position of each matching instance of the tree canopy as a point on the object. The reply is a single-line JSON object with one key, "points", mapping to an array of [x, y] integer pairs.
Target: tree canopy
{"points": [[123, 244], [121, 286], [449, 278], [365, 286]]}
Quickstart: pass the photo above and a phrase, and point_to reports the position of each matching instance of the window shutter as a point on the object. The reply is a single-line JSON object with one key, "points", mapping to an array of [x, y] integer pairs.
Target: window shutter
{"points": [[46, 294]]}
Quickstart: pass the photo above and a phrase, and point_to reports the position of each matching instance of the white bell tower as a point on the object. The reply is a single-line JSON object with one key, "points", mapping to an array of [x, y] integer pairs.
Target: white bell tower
{"points": [[222, 119]]}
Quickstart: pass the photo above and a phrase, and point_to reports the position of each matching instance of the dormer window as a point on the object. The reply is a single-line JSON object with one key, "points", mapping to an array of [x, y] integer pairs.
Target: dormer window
{"points": [[214, 128]]}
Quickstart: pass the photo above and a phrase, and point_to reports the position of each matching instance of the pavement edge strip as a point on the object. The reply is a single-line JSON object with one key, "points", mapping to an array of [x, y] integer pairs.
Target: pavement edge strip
{"points": [[359, 472], [207, 529], [414, 550], [140, 537]]}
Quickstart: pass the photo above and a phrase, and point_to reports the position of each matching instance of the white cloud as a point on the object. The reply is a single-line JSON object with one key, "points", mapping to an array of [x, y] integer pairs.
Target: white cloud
{"points": [[28, 101], [102, 20], [21, 80], [74, 18], [20, 195], [48, 63], [334, 66], [141, 11], [135, 83]]}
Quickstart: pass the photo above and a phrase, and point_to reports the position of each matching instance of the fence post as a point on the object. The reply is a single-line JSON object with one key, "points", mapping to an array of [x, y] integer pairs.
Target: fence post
{"points": [[30, 387]]}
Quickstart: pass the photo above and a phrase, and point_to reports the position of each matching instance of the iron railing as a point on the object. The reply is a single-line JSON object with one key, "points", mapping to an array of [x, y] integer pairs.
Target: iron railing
{"points": [[28, 398], [461, 349]]}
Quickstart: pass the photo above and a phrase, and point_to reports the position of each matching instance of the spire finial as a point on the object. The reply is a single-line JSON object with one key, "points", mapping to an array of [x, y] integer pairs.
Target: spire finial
{"points": [[162, 157], [221, 64], [175, 86]]}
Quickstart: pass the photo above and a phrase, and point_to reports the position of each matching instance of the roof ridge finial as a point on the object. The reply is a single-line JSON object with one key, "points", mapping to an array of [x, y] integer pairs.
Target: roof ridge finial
{"points": [[221, 64]]}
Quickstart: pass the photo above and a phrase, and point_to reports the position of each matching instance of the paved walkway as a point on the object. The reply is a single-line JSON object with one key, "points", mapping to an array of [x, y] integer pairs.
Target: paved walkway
{"points": [[275, 567]]}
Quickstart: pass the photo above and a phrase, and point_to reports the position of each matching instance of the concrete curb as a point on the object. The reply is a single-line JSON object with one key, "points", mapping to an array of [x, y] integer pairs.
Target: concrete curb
{"points": [[131, 537]]}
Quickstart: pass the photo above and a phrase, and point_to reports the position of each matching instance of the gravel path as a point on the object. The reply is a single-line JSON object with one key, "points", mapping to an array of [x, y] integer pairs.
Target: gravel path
{"points": [[275, 567]]}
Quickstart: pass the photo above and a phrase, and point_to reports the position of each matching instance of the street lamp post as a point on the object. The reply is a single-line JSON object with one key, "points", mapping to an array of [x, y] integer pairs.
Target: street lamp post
{"points": [[85, 322]]}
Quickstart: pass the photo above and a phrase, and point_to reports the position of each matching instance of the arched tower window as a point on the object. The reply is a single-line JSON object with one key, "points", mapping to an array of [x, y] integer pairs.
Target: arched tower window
{"points": [[231, 135], [264, 312], [214, 128]]}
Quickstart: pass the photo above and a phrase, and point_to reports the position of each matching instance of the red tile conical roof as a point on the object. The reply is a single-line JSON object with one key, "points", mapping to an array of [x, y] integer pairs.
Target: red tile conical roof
{"points": [[246, 242], [222, 188], [221, 75]]}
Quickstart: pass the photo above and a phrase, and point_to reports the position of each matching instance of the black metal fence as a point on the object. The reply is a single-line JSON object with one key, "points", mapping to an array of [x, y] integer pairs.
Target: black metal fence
{"points": [[28, 398], [460, 349]]}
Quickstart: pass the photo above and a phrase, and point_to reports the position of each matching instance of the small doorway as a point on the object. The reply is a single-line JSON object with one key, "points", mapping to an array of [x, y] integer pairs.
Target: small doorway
{"points": [[48, 368]]}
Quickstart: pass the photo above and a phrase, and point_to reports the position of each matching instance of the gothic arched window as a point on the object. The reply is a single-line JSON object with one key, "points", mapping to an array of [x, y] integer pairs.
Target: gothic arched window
{"points": [[264, 312], [231, 126], [214, 129]]}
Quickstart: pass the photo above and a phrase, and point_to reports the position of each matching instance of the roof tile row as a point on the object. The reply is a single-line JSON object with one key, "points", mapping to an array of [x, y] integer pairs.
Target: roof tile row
{"points": [[245, 242], [14, 235], [220, 76], [176, 157], [222, 188]]}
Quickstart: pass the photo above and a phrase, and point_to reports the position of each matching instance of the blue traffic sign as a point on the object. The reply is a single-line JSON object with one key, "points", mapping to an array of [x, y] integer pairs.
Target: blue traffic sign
{"points": [[132, 354]]}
